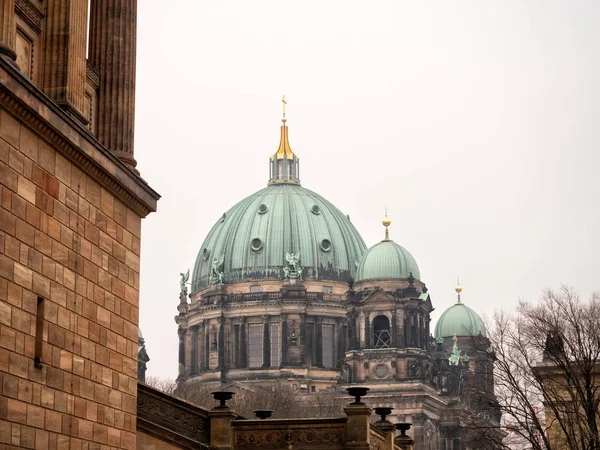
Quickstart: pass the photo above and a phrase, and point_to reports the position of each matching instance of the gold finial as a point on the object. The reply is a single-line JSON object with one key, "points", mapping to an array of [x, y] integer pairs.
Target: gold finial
{"points": [[455, 339], [283, 105], [386, 223], [458, 289]]}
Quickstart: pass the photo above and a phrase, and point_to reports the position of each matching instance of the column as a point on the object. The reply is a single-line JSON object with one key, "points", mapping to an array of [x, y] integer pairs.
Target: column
{"points": [[367, 331], [8, 29], [266, 343], [221, 342], [341, 349], [64, 75], [207, 344], [427, 331], [243, 344], [284, 340], [419, 334], [319, 347], [181, 334], [303, 338], [112, 53], [394, 329], [201, 349], [194, 359]]}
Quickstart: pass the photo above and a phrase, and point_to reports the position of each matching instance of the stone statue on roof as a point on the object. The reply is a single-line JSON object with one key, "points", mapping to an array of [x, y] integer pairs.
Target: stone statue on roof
{"points": [[216, 271], [293, 269], [183, 284]]}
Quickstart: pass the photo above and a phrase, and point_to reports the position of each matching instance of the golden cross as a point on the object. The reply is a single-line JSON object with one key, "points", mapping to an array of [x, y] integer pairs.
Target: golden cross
{"points": [[284, 104]]}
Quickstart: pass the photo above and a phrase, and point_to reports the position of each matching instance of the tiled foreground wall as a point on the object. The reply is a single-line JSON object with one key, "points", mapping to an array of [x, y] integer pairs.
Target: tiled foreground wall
{"points": [[68, 242]]}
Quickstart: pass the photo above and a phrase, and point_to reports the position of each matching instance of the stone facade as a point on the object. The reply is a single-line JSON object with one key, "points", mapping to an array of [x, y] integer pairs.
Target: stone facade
{"points": [[70, 220]]}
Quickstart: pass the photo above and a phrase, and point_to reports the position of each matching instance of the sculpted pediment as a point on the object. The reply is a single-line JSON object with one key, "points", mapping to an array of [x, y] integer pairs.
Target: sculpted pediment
{"points": [[378, 297]]}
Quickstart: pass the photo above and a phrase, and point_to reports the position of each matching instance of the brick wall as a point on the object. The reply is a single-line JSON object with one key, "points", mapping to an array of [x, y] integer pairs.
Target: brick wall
{"points": [[68, 240]]}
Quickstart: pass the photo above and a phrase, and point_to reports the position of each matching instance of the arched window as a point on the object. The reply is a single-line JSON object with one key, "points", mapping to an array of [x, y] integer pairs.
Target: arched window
{"points": [[381, 332]]}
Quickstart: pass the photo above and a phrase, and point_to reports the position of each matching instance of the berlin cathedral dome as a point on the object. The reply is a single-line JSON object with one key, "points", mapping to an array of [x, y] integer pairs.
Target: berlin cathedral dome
{"points": [[284, 290], [253, 237], [459, 320], [387, 260]]}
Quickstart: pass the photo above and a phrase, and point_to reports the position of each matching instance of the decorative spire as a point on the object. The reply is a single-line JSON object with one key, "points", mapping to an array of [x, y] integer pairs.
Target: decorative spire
{"points": [[458, 289], [386, 223], [283, 105], [284, 164]]}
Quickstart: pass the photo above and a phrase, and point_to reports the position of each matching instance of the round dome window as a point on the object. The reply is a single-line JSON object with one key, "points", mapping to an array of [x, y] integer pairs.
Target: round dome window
{"points": [[262, 209], [205, 254], [315, 209], [325, 245], [256, 244], [381, 371]]}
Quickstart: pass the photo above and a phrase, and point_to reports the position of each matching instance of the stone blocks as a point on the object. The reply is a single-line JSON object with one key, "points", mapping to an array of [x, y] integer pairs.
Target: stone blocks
{"points": [[66, 238]]}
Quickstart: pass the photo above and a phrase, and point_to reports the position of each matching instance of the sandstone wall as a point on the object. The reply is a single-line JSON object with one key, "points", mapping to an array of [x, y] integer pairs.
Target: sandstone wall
{"points": [[67, 240]]}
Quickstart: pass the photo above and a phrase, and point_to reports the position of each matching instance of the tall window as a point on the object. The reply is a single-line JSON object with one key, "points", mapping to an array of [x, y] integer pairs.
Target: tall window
{"points": [[255, 345], [381, 332], [328, 346], [275, 344]]}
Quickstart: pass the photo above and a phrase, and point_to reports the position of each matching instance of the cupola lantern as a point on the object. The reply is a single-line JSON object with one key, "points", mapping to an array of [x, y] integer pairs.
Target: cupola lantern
{"points": [[284, 164]]}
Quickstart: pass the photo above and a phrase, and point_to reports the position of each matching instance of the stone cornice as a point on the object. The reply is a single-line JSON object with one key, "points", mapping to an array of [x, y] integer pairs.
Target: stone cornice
{"points": [[259, 308], [30, 14], [19, 96]]}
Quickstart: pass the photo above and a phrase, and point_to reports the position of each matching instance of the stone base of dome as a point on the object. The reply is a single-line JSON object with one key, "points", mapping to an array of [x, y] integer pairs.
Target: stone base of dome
{"points": [[301, 378]]}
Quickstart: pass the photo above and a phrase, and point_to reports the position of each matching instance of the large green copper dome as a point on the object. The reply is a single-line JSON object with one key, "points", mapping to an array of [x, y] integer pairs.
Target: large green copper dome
{"points": [[387, 260], [252, 238], [461, 320]]}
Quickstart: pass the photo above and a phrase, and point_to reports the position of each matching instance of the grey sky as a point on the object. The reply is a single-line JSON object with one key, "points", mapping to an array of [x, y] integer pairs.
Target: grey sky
{"points": [[475, 123]]}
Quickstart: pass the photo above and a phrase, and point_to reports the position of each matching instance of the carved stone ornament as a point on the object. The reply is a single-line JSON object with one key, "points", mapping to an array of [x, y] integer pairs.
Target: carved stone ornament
{"points": [[281, 438], [377, 442], [158, 413]]}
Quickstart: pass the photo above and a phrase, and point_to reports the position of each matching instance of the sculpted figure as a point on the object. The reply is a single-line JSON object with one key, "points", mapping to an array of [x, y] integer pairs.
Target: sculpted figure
{"points": [[183, 283], [292, 268], [216, 271]]}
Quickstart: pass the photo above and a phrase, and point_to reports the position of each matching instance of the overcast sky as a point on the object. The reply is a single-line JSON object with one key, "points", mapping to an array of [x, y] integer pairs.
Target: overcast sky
{"points": [[474, 122]]}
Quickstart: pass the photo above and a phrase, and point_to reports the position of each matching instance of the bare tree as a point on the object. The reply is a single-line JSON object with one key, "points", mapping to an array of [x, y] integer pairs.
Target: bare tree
{"points": [[281, 397], [547, 371], [165, 385]]}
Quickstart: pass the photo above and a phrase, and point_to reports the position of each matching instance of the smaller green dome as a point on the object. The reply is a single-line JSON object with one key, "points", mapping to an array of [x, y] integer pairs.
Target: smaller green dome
{"points": [[387, 260], [461, 320]]}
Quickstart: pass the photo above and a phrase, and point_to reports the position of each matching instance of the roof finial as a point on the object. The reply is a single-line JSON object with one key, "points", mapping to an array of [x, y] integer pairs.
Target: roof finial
{"points": [[458, 289], [386, 223], [283, 105]]}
